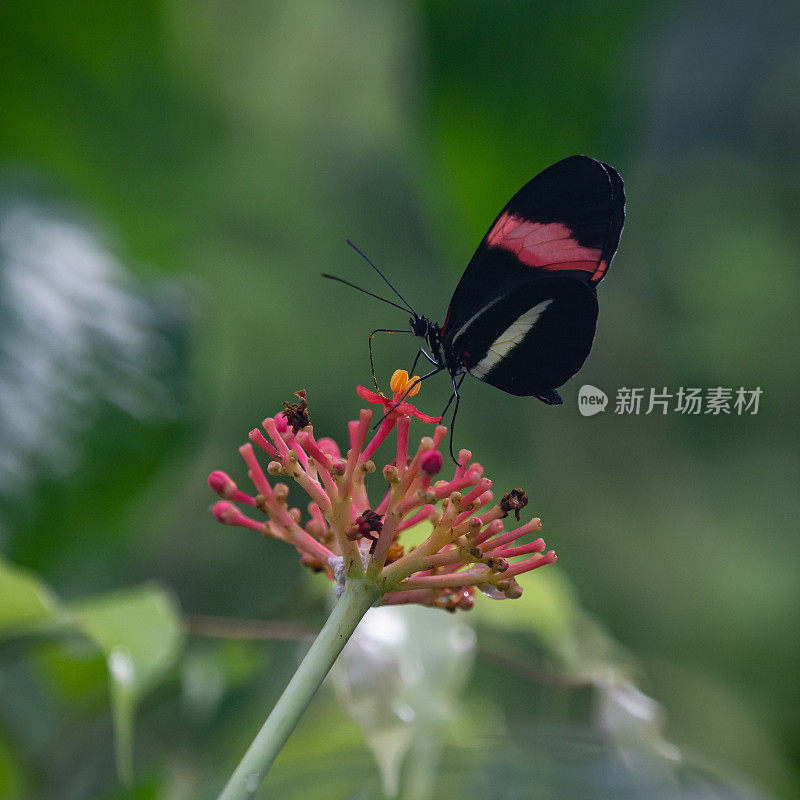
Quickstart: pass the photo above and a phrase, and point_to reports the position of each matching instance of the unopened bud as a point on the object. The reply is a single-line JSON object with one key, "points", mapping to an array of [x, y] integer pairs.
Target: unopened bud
{"points": [[226, 513], [391, 474], [222, 484], [431, 462]]}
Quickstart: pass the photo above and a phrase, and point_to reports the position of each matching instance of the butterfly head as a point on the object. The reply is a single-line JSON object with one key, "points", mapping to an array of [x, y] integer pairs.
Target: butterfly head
{"points": [[421, 326]]}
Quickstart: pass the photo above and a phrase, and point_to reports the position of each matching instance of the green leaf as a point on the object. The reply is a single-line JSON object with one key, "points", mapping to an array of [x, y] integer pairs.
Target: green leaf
{"points": [[139, 632], [26, 602]]}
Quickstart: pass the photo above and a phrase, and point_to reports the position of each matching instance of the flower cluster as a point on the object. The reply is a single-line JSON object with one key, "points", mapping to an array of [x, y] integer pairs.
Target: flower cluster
{"points": [[345, 536]]}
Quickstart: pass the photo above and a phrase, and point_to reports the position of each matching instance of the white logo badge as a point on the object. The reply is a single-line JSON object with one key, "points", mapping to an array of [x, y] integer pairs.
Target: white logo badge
{"points": [[591, 400]]}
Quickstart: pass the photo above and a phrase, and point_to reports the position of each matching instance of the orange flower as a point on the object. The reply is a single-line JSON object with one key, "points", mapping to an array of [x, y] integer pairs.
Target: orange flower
{"points": [[396, 405]]}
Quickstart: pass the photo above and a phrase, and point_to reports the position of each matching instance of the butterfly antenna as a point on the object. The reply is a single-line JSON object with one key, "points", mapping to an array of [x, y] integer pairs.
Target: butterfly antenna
{"points": [[353, 286], [386, 280]]}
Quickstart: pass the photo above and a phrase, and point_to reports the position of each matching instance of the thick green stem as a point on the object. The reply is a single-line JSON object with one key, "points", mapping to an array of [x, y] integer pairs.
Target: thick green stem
{"points": [[355, 601]]}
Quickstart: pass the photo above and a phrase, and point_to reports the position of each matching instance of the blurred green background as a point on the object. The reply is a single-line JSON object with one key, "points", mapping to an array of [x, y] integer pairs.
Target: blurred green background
{"points": [[173, 178]]}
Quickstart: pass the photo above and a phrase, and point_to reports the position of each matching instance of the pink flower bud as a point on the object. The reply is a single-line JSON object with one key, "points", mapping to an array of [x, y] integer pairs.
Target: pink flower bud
{"points": [[221, 483], [226, 513], [431, 462]]}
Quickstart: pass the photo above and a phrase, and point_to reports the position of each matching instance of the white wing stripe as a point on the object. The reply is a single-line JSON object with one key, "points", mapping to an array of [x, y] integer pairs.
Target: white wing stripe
{"points": [[509, 339], [475, 316]]}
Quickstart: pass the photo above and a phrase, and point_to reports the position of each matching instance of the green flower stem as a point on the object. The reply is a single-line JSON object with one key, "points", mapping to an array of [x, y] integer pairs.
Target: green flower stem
{"points": [[356, 599]]}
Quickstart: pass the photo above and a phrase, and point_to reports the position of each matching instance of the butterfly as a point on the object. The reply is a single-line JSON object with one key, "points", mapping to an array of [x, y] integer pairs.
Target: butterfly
{"points": [[523, 316]]}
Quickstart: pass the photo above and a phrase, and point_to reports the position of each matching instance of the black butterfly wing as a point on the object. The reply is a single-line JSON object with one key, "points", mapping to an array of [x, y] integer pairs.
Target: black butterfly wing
{"points": [[523, 316], [532, 340], [566, 221]]}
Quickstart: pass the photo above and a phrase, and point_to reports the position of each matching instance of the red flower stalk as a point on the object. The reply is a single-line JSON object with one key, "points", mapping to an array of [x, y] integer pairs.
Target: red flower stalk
{"points": [[345, 535]]}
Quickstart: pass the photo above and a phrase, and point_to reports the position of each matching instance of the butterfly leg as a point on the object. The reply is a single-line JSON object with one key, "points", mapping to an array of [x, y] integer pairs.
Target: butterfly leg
{"points": [[423, 352], [371, 361], [453, 396], [457, 397]]}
